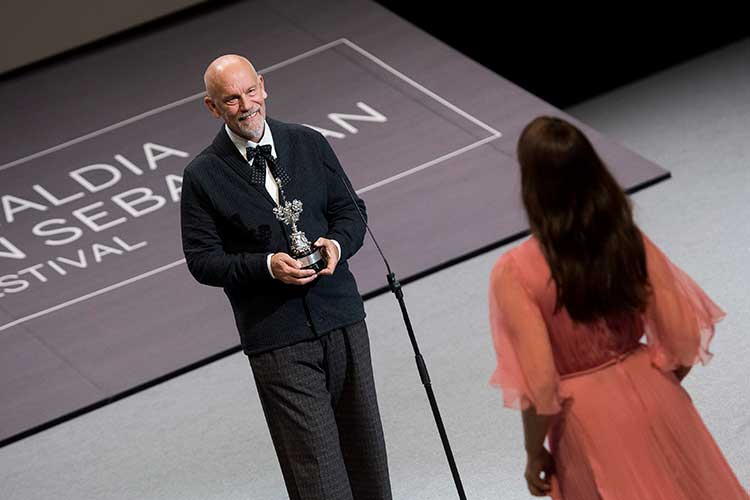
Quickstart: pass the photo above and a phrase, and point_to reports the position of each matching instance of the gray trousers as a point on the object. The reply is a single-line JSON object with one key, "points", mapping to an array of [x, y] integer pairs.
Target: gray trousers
{"points": [[321, 408]]}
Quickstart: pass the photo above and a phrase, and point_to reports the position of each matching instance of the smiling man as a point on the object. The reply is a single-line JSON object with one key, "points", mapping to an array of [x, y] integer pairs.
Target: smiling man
{"points": [[235, 93], [304, 333]]}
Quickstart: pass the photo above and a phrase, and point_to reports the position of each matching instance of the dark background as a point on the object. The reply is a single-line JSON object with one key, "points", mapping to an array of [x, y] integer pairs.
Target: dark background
{"points": [[562, 55], [565, 56]]}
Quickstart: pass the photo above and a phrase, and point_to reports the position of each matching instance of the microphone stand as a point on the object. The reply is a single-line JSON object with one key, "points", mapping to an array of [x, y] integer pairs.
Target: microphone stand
{"points": [[395, 287]]}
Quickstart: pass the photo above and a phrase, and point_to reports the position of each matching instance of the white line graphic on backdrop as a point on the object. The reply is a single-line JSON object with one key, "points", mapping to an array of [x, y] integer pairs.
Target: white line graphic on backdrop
{"points": [[155, 111]]}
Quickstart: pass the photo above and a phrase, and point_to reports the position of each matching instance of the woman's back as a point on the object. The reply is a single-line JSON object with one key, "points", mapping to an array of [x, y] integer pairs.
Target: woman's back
{"points": [[622, 425], [575, 346], [678, 319]]}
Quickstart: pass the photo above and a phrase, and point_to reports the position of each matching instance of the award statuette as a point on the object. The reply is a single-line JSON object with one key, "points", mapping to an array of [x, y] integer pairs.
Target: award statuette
{"points": [[309, 256]]}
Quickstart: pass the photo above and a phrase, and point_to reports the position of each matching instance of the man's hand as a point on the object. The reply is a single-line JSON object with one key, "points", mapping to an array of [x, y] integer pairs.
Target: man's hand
{"points": [[287, 270], [332, 255]]}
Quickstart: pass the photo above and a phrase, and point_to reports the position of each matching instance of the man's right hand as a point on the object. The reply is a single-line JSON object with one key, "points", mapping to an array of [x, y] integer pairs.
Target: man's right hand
{"points": [[287, 270]]}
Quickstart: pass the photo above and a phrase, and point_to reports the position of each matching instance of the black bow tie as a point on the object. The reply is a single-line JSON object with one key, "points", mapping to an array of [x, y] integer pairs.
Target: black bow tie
{"points": [[261, 156]]}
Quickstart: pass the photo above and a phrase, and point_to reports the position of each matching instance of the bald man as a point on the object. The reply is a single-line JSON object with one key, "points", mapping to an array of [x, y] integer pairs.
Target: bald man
{"points": [[303, 332]]}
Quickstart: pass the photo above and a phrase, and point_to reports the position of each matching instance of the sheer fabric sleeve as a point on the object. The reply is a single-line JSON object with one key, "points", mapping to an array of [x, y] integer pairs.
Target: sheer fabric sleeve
{"points": [[525, 371], [680, 317]]}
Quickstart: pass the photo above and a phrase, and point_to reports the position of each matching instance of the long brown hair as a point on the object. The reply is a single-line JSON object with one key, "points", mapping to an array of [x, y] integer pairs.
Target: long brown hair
{"points": [[583, 221]]}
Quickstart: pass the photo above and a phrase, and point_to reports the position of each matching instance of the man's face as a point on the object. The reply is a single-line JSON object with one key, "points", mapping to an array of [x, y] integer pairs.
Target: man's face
{"points": [[238, 97]]}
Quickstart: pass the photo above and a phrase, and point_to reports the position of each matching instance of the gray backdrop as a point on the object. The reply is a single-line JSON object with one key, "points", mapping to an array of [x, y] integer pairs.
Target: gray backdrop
{"points": [[94, 296]]}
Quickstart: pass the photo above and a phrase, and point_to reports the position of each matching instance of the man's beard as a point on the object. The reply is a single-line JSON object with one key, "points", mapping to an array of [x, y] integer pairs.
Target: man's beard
{"points": [[252, 129]]}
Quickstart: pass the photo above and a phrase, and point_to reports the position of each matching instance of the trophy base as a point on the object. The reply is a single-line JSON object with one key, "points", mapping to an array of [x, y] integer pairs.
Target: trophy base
{"points": [[314, 260]]}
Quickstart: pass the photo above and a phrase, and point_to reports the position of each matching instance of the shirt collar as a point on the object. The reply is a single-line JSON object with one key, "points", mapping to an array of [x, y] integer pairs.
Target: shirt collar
{"points": [[241, 143]]}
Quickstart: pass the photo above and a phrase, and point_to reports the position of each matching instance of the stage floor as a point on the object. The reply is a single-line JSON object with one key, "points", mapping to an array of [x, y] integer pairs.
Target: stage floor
{"points": [[202, 435]]}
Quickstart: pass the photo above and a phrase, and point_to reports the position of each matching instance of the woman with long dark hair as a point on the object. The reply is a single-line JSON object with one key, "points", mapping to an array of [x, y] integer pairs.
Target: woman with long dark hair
{"points": [[568, 309]]}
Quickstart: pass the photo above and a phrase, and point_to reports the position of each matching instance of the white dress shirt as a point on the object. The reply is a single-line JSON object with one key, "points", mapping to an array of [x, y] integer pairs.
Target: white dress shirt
{"points": [[271, 186], [242, 144]]}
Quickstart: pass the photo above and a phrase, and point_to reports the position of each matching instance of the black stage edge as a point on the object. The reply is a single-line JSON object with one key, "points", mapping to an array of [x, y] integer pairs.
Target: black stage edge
{"points": [[117, 397]]}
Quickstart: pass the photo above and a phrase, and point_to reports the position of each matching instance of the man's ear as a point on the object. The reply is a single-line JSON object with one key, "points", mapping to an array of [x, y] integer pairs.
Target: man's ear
{"points": [[263, 86], [211, 107]]}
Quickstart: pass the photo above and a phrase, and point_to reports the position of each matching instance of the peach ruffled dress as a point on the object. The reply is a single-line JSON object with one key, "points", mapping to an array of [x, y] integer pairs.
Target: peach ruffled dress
{"points": [[624, 427]]}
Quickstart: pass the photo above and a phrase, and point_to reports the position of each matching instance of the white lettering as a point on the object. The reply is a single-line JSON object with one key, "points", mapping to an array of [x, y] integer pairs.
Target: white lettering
{"points": [[80, 263], [54, 199], [56, 267], [12, 251], [326, 132], [21, 205], [371, 116], [128, 247], [99, 250], [129, 165], [89, 219], [11, 280], [146, 196], [77, 175], [174, 184], [151, 158], [33, 270], [41, 231]]}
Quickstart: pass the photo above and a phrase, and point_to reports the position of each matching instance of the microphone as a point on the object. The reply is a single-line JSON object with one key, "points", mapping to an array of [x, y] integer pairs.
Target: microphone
{"points": [[395, 287], [364, 221]]}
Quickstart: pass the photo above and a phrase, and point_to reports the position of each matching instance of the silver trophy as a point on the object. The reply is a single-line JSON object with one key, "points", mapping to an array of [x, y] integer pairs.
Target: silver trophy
{"points": [[309, 256]]}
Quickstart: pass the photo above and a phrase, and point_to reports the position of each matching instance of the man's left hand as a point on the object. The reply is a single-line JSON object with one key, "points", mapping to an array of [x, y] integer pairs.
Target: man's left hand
{"points": [[331, 253]]}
